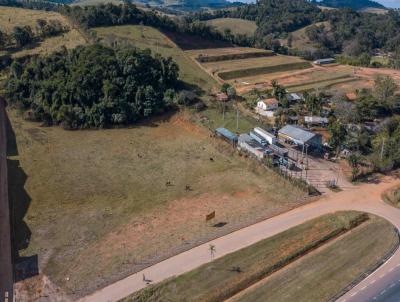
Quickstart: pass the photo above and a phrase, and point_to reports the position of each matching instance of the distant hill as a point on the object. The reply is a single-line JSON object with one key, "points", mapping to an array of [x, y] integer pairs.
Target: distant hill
{"points": [[354, 4], [188, 4]]}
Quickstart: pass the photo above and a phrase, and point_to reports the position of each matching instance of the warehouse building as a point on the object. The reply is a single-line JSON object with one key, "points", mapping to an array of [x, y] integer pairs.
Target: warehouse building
{"points": [[226, 135], [300, 137], [248, 144]]}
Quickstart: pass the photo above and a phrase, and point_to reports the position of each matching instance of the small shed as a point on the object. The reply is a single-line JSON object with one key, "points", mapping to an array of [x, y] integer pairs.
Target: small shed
{"points": [[248, 144], [294, 97], [351, 96], [300, 136], [222, 97], [316, 120], [325, 61], [227, 135]]}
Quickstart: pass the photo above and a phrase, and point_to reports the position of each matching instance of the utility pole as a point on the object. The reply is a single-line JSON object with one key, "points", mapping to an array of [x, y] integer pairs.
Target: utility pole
{"points": [[237, 117]]}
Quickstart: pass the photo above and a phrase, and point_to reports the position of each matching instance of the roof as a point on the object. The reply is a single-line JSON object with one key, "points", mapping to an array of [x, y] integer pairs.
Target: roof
{"points": [[226, 133], [351, 96], [294, 97], [316, 119], [271, 101], [297, 133], [222, 96], [327, 60], [245, 138]]}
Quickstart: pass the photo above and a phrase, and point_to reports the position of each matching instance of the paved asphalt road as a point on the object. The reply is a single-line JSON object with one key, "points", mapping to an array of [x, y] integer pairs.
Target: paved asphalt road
{"points": [[366, 197]]}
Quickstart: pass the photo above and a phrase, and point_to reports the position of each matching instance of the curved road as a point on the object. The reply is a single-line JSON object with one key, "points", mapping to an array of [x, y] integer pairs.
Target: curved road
{"points": [[366, 197]]}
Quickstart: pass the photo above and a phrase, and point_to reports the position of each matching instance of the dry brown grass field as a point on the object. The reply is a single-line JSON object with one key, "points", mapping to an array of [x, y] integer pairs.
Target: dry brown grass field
{"points": [[11, 17], [99, 207], [237, 26]]}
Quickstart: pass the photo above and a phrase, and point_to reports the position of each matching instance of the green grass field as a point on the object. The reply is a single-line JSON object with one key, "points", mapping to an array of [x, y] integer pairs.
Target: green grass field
{"points": [[325, 272], [300, 39], [148, 37], [237, 26], [98, 207], [218, 281]]}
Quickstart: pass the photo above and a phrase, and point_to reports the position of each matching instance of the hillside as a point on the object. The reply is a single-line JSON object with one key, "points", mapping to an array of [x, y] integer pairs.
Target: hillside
{"points": [[11, 17], [354, 4], [236, 26]]}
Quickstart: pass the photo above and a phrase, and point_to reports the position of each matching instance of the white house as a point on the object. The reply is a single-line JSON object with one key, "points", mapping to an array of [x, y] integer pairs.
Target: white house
{"points": [[268, 104]]}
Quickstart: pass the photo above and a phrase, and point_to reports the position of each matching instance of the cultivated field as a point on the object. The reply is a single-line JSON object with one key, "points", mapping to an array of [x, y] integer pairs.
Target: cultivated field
{"points": [[11, 17], [235, 65], [103, 204], [148, 37], [237, 26], [228, 276]]}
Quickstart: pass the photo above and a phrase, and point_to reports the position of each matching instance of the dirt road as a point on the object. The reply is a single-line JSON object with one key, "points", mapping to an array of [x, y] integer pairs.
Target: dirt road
{"points": [[366, 197]]}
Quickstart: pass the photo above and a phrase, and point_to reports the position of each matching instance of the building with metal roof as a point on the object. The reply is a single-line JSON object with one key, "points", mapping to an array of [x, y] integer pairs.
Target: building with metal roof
{"points": [[324, 61], [227, 135], [300, 136]]}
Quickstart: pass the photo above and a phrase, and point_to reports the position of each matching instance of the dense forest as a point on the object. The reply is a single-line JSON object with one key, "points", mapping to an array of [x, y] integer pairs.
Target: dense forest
{"points": [[93, 86]]}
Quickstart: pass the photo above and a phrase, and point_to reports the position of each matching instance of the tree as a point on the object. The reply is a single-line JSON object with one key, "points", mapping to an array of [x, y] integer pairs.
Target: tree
{"points": [[231, 92], [354, 162], [385, 88], [313, 103], [279, 92], [225, 87], [338, 133], [22, 35]]}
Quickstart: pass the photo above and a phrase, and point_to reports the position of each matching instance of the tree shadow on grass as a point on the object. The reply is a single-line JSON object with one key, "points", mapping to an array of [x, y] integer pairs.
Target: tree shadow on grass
{"points": [[24, 267]]}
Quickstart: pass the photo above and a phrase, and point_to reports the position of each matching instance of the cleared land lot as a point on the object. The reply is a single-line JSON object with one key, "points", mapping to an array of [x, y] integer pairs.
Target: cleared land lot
{"points": [[328, 270], [237, 26], [223, 278], [99, 207], [11, 17], [148, 37]]}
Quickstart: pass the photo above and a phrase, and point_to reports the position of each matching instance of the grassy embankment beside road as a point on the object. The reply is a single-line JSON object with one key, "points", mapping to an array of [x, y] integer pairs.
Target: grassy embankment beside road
{"points": [[392, 197], [342, 261]]}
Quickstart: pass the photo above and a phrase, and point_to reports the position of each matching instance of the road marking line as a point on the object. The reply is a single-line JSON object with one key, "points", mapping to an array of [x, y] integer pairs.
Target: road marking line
{"points": [[381, 276], [391, 269], [384, 291], [363, 287], [392, 285], [373, 281], [352, 295]]}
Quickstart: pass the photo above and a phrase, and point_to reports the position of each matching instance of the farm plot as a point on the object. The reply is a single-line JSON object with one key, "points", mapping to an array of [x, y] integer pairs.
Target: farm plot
{"points": [[103, 204], [238, 64]]}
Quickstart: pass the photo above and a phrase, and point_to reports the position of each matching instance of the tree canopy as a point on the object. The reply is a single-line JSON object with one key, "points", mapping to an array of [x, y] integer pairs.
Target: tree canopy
{"points": [[93, 86]]}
